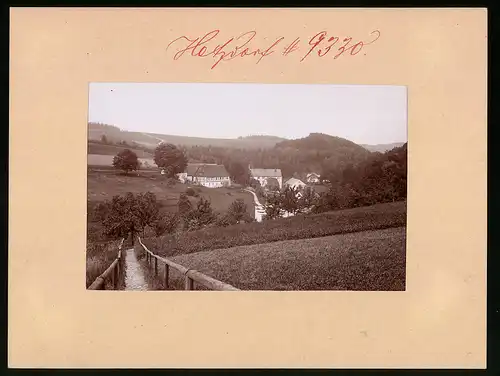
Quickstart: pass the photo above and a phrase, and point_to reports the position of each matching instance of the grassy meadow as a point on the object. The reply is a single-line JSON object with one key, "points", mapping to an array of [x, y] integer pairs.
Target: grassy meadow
{"points": [[103, 149], [375, 217], [106, 161], [104, 185], [364, 261]]}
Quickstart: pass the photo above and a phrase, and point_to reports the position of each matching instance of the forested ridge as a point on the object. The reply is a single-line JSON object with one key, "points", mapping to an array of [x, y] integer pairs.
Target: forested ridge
{"points": [[316, 153]]}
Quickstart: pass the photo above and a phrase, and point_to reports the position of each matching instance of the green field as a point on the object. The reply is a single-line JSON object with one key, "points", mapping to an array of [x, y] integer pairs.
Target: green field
{"points": [[96, 131], [305, 226], [363, 261], [102, 149], [106, 161], [103, 185]]}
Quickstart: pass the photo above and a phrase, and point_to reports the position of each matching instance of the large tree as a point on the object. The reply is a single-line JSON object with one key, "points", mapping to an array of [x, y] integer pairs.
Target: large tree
{"points": [[146, 209], [126, 160], [289, 199], [273, 207], [238, 172], [170, 158], [273, 184], [307, 199], [129, 214]]}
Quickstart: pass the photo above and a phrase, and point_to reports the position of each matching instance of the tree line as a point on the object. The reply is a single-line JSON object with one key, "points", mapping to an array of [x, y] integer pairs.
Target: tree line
{"points": [[379, 179]]}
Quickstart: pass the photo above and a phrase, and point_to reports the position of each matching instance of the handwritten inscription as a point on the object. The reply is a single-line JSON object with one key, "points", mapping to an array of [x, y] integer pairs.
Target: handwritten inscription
{"points": [[321, 44]]}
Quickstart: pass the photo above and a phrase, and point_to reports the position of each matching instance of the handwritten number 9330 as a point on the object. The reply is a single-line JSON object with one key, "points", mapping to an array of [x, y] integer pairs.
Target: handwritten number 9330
{"points": [[320, 45]]}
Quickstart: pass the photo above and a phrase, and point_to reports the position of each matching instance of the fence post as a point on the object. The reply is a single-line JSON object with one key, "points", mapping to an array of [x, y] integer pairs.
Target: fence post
{"points": [[156, 267], [115, 275], [166, 277], [119, 266], [188, 284], [113, 278]]}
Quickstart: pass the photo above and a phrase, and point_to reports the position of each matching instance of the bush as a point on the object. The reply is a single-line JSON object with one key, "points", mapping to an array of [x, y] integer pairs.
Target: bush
{"points": [[191, 192], [184, 205], [171, 181], [223, 220], [166, 223], [238, 212]]}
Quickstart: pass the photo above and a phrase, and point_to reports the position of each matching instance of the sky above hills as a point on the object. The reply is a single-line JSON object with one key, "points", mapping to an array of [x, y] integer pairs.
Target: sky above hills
{"points": [[363, 114]]}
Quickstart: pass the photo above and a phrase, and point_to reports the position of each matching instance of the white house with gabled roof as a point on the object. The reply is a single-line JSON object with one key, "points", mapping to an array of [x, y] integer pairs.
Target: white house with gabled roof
{"points": [[206, 174], [263, 174]]}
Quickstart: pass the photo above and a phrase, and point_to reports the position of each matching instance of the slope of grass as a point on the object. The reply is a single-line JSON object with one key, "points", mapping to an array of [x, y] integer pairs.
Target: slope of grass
{"points": [[300, 227], [366, 261]]}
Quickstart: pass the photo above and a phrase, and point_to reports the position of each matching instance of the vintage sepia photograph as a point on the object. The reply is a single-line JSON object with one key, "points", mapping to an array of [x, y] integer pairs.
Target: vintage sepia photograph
{"points": [[243, 186]]}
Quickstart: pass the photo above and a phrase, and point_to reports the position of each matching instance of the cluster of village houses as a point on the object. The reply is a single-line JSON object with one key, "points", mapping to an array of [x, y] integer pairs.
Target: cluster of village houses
{"points": [[216, 176]]}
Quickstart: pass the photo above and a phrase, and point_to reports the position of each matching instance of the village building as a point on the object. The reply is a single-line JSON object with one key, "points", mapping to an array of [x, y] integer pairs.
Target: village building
{"points": [[295, 183], [207, 175], [263, 174], [313, 178]]}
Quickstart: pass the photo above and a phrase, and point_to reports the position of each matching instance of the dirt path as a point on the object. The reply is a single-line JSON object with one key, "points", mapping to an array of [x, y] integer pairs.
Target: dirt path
{"points": [[134, 277], [259, 209], [155, 138]]}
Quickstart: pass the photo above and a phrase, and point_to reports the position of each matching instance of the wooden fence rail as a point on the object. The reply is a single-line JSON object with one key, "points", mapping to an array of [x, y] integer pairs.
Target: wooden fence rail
{"points": [[190, 275], [115, 272]]}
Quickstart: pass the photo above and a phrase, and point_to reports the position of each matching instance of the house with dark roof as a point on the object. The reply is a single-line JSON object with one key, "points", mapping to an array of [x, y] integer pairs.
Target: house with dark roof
{"points": [[206, 174], [263, 175]]}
